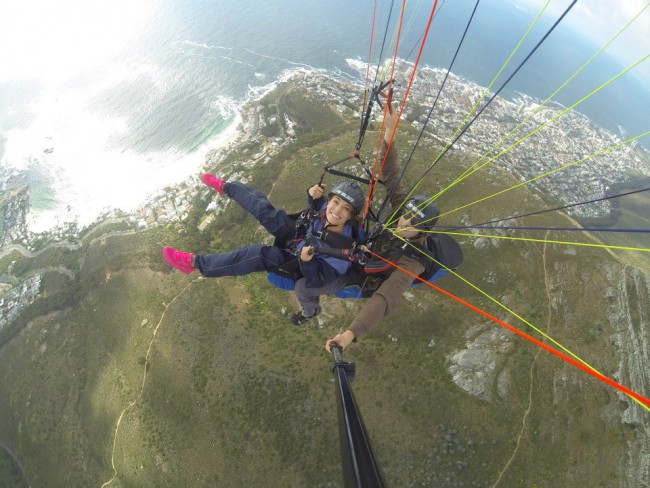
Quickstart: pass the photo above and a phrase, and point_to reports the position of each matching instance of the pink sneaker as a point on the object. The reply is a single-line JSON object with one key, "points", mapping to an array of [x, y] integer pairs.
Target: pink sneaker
{"points": [[180, 260], [214, 182]]}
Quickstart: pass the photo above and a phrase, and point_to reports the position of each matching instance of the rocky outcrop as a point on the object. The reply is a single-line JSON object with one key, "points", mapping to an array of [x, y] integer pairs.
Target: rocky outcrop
{"points": [[479, 368], [629, 315]]}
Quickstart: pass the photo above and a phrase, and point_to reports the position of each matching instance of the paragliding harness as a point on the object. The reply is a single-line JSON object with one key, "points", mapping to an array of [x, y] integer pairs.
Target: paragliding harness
{"points": [[330, 243], [438, 254], [365, 275], [338, 245]]}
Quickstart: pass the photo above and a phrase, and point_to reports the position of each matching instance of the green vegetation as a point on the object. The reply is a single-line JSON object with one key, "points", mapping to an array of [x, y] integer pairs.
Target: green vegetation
{"points": [[234, 395], [9, 473], [7, 261], [52, 257]]}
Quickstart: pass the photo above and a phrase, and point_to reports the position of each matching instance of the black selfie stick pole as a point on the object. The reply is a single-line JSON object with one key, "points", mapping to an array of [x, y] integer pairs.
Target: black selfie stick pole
{"points": [[360, 469]]}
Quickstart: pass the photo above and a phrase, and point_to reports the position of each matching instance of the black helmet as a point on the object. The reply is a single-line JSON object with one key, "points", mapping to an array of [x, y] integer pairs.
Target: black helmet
{"points": [[423, 211], [351, 193]]}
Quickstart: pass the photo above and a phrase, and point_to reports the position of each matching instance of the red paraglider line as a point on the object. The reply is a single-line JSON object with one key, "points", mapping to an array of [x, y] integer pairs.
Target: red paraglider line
{"points": [[372, 38], [406, 94], [645, 401], [374, 182]]}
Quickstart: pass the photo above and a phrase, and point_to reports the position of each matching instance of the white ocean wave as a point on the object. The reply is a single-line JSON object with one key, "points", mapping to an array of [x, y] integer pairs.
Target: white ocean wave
{"points": [[203, 45], [345, 76], [357, 64], [279, 59], [258, 92], [73, 157], [204, 55], [226, 106], [228, 58]]}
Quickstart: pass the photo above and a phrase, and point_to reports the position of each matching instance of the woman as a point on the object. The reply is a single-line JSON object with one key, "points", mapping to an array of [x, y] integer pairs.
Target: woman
{"points": [[335, 214]]}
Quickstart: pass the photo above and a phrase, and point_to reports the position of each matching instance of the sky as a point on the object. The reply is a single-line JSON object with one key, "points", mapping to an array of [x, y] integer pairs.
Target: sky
{"points": [[599, 20]]}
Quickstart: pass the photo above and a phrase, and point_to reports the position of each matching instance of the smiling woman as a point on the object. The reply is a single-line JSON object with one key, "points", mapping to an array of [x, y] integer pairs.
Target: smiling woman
{"points": [[297, 252]]}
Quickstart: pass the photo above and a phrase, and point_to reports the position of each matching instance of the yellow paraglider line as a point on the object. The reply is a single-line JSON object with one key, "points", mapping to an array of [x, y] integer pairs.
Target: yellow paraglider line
{"points": [[644, 402], [469, 171], [543, 175], [462, 125]]}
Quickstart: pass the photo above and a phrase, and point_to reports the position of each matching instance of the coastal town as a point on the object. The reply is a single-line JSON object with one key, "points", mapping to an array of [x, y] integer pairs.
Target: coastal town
{"points": [[559, 152], [484, 362]]}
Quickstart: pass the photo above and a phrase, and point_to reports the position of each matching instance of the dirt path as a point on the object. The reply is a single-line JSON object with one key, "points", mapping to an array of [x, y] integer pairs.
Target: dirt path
{"points": [[144, 379], [21, 469], [70, 245], [524, 419]]}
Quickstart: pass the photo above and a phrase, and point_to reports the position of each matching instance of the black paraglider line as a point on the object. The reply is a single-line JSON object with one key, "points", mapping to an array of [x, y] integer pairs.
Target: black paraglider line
{"points": [[563, 207], [466, 127], [472, 110], [493, 98], [469, 124], [433, 105], [374, 90]]}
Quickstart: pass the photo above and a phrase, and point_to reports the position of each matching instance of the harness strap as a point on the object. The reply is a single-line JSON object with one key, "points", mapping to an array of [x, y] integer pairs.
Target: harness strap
{"points": [[296, 230], [336, 240]]}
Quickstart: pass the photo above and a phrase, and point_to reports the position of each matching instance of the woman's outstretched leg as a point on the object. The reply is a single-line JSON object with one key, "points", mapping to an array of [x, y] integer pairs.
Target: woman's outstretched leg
{"points": [[235, 263], [249, 259], [253, 201]]}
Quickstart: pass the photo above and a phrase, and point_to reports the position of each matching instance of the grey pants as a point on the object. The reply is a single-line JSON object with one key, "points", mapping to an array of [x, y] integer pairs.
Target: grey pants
{"points": [[310, 297]]}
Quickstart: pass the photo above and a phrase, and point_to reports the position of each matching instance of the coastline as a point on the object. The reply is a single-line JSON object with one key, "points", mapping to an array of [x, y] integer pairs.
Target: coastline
{"points": [[66, 217], [460, 92], [174, 199]]}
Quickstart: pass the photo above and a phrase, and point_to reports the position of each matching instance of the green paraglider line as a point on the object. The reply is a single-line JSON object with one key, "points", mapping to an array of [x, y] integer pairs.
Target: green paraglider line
{"points": [[576, 361], [565, 111], [549, 241], [465, 126], [644, 401], [497, 302], [471, 170], [433, 105], [543, 175]]}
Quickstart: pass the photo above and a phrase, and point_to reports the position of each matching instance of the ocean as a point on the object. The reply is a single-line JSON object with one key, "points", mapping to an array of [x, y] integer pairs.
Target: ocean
{"points": [[101, 107]]}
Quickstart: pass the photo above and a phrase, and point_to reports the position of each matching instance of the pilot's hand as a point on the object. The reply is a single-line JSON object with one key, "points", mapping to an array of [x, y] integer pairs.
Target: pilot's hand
{"points": [[316, 191], [307, 253], [343, 339]]}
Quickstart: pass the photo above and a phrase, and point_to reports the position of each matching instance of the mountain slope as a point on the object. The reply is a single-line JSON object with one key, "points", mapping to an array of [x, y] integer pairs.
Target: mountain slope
{"points": [[146, 377]]}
